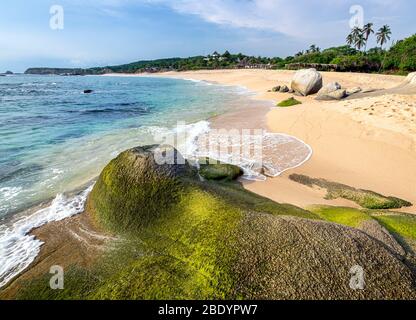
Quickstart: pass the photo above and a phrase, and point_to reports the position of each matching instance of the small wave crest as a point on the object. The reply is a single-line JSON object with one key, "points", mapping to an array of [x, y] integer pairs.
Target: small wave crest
{"points": [[18, 249], [278, 152]]}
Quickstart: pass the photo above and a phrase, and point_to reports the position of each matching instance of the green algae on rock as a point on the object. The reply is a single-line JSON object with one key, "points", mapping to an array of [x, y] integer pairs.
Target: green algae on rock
{"points": [[215, 170], [183, 238], [365, 198]]}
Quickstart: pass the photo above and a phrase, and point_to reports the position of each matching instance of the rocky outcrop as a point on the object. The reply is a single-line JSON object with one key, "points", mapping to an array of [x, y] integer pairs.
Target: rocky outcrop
{"points": [[251, 247], [332, 91], [138, 187], [330, 87], [335, 95], [183, 238], [306, 82]]}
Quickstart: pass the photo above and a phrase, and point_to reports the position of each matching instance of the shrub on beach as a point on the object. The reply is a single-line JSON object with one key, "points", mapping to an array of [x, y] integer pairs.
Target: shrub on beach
{"points": [[402, 56], [289, 102]]}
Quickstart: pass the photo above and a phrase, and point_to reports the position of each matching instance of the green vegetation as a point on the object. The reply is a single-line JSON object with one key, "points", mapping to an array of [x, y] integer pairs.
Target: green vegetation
{"points": [[366, 199], [353, 56], [346, 216], [399, 223], [289, 102], [402, 56]]}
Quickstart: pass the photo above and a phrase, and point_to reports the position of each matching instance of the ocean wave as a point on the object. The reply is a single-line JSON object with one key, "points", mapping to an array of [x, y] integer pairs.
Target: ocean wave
{"points": [[18, 249], [279, 152]]}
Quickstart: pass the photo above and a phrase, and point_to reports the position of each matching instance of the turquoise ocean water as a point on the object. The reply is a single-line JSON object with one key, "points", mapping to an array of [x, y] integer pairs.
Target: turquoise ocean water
{"points": [[55, 140], [54, 137]]}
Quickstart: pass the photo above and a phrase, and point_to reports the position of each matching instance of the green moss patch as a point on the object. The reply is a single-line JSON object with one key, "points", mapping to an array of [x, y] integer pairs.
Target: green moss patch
{"points": [[216, 170], [399, 223], [289, 102], [365, 198], [346, 216]]}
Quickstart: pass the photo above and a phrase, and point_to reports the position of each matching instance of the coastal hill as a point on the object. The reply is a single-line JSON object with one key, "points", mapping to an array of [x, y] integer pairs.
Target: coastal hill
{"points": [[400, 58]]}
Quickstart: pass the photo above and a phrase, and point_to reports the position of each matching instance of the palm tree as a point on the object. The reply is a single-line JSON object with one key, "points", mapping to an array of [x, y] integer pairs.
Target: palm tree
{"points": [[350, 39], [299, 54], [354, 36], [367, 31], [312, 48], [360, 41], [383, 35]]}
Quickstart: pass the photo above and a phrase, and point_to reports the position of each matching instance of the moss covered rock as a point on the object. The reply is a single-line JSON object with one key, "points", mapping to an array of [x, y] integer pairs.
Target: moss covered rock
{"points": [[216, 170], [134, 189], [289, 102], [183, 238], [365, 198]]}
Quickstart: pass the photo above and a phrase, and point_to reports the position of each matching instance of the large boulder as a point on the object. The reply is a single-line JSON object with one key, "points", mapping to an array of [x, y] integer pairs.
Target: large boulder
{"points": [[306, 82], [138, 187], [190, 239]]}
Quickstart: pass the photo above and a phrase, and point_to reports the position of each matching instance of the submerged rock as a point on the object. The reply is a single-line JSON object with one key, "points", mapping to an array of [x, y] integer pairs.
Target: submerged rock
{"points": [[306, 82]]}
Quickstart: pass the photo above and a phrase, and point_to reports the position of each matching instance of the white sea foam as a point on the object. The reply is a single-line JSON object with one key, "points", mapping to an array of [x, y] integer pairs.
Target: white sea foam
{"points": [[18, 249], [279, 152], [8, 193]]}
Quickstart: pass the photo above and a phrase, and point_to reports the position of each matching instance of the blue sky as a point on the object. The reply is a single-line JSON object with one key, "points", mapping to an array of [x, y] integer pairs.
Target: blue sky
{"points": [[107, 32]]}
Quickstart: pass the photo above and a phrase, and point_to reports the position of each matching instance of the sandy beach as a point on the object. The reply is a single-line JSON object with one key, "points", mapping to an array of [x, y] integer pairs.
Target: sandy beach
{"points": [[367, 143]]}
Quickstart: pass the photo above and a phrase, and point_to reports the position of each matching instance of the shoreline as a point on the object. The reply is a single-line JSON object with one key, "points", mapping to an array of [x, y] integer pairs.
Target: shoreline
{"points": [[349, 147], [297, 122]]}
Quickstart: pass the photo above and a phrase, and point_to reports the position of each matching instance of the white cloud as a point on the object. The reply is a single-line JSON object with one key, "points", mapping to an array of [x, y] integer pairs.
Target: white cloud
{"points": [[301, 19], [271, 15]]}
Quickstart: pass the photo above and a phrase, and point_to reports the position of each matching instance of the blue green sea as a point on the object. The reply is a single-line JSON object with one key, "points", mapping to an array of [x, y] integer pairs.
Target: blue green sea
{"points": [[55, 139]]}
